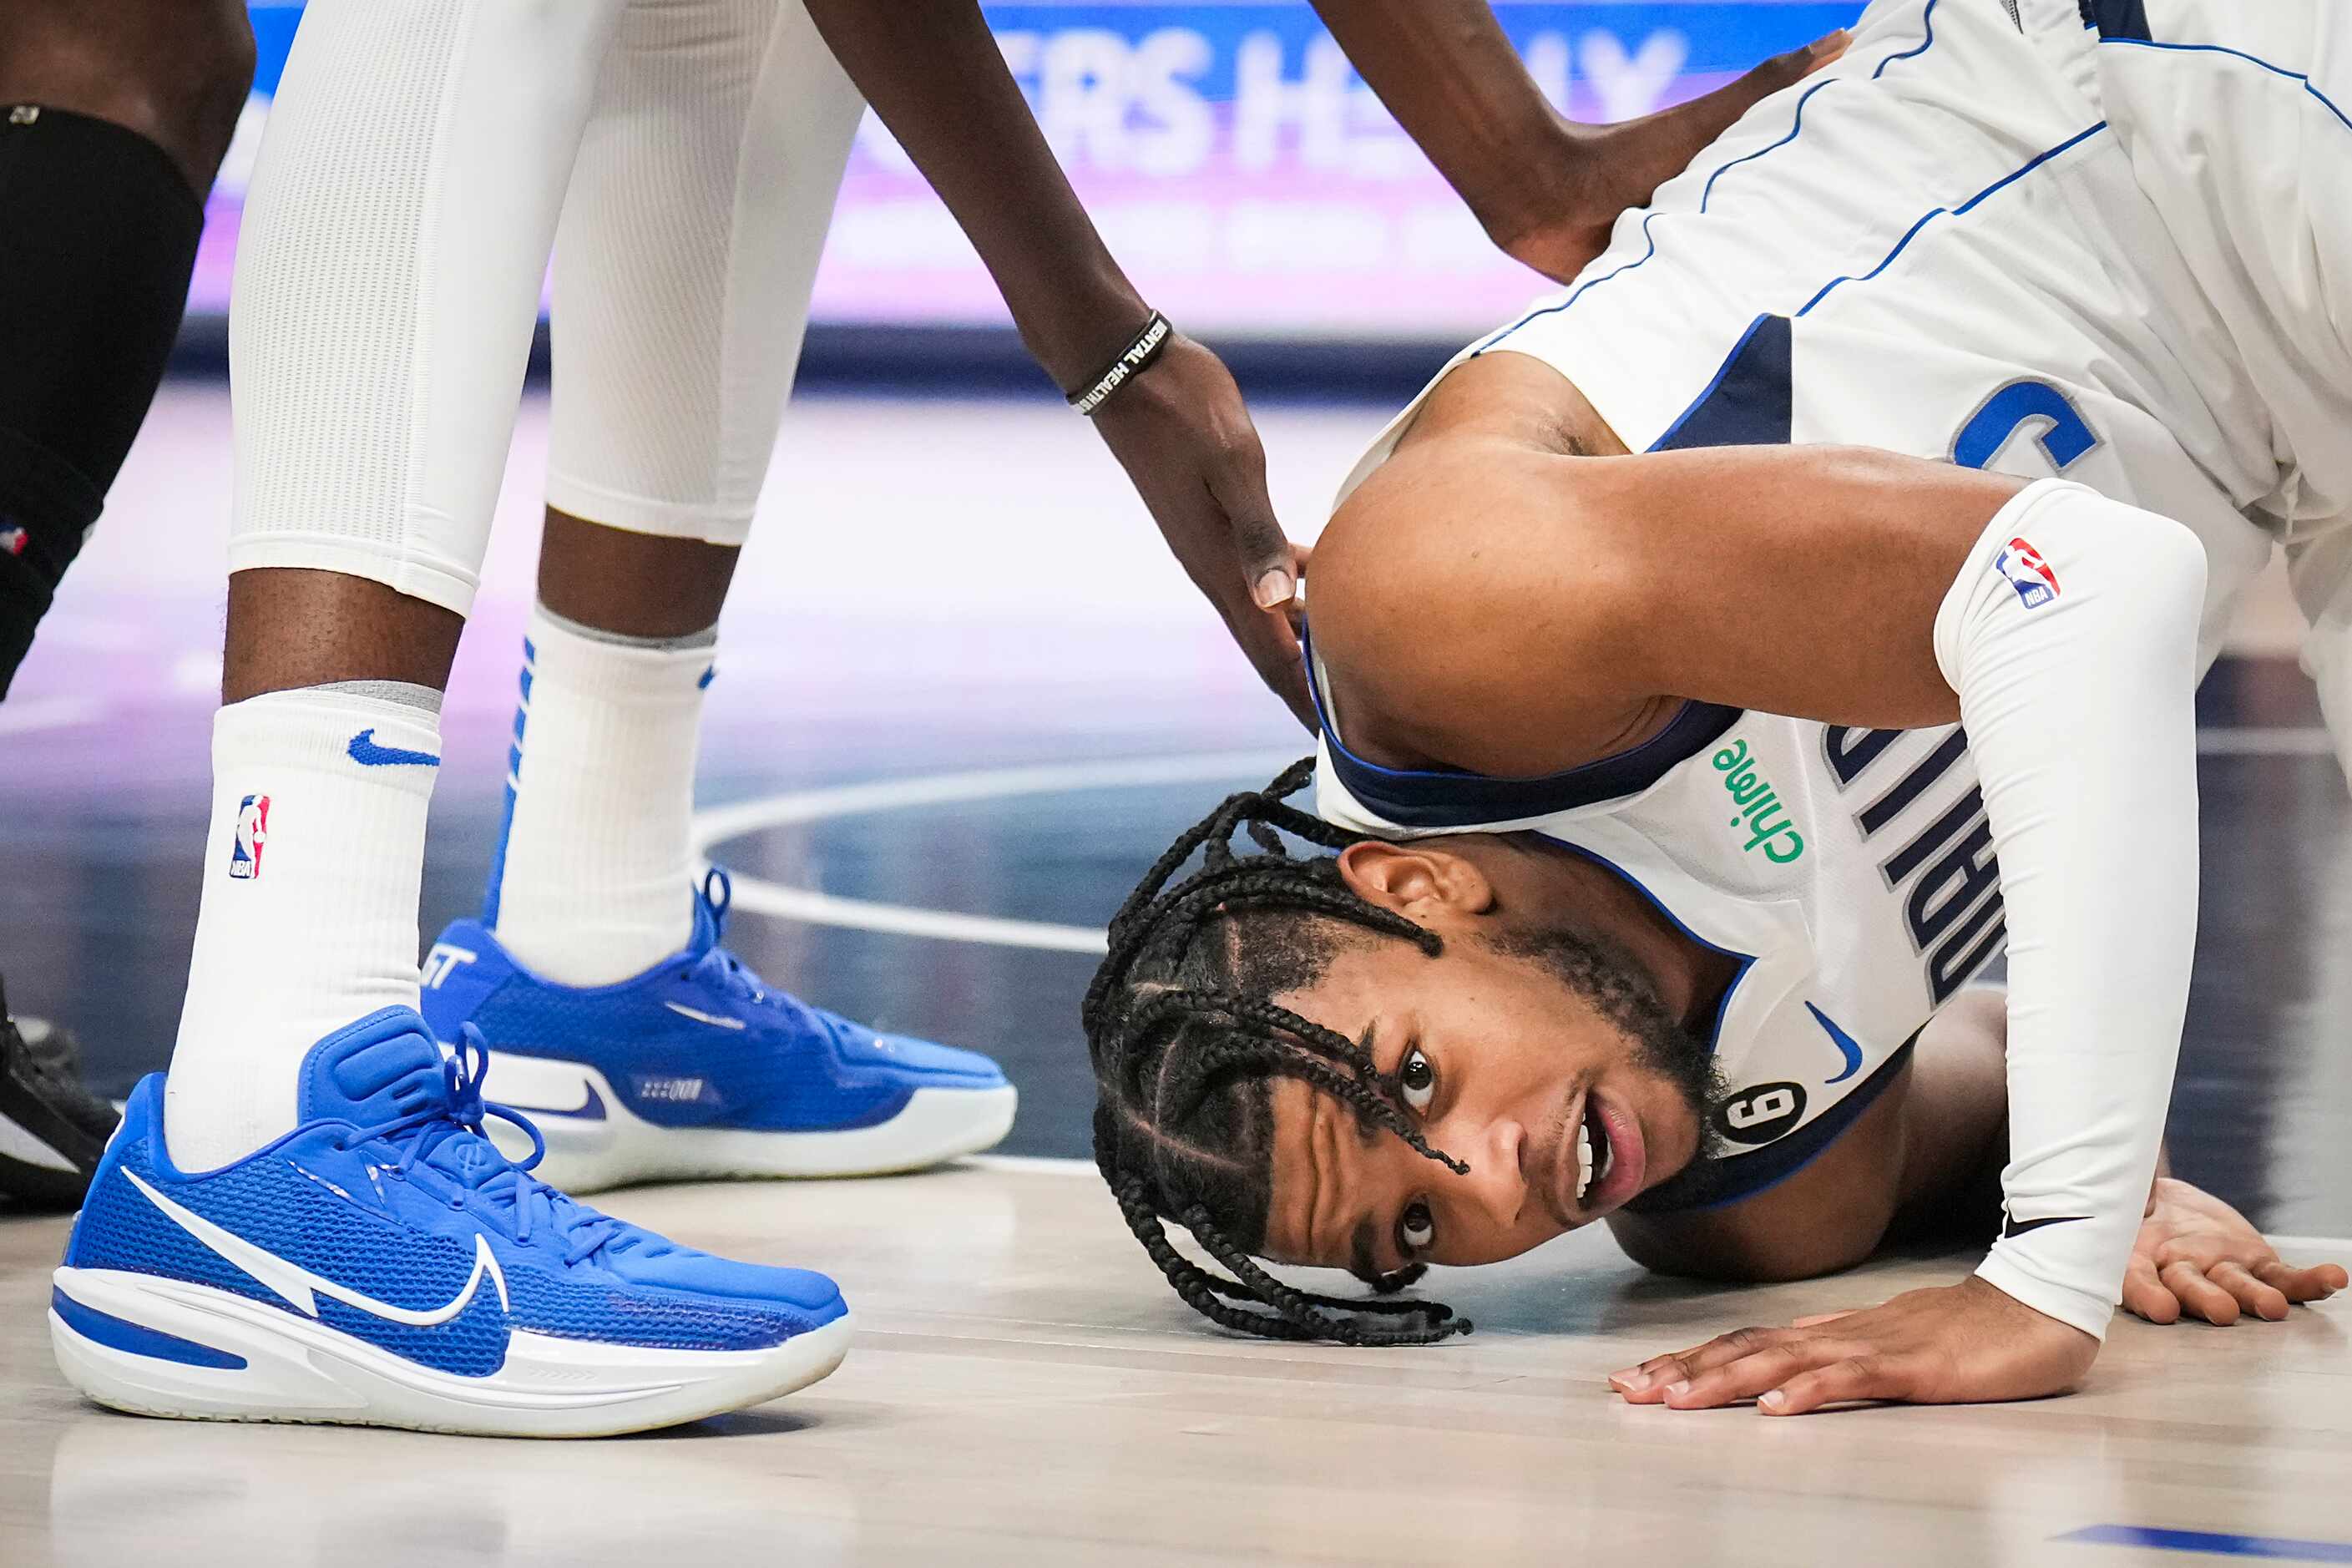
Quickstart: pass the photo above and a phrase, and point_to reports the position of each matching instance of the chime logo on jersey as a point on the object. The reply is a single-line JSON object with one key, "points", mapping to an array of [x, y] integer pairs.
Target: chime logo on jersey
{"points": [[252, 834], [2027, 573], [1761, 814]]}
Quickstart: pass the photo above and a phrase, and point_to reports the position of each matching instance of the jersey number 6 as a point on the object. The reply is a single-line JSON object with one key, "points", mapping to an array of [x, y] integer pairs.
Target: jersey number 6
{"points": [[2064, 436], [1760, 1114]]}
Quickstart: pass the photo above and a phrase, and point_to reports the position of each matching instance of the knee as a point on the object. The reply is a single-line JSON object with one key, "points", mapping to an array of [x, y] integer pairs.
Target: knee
{"points": [[175, 71], [205, 69], [222, 56]]}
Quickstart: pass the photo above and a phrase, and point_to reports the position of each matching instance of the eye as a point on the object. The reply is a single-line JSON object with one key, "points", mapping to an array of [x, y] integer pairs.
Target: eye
{"points": [[1416, 1228], [1417, 1080]]}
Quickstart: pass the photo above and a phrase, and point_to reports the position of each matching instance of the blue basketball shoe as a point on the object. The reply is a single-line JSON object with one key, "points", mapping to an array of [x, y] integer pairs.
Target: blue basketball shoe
{"points": [[696, 1069], [384, 1264]]}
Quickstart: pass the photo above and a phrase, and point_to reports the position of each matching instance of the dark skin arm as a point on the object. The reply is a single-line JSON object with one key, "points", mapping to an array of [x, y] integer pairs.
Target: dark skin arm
{"points": [[932, 70], [1545, 189], [1498, 565]]}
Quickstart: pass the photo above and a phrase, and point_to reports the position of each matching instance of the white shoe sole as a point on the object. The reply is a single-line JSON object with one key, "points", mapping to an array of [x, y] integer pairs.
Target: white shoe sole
{"points": [[298, 1370], [619, 1148]]}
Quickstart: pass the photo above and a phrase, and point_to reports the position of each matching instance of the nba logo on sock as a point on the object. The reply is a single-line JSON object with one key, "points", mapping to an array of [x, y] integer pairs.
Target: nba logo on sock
{"points": [[252, 834], [14, 540], [2027, 573]]}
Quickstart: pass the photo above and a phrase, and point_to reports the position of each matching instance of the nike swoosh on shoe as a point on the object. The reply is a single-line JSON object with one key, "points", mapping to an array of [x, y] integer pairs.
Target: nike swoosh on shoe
{"points": [[301, 1286], [590, 1109], [699, 1016]]}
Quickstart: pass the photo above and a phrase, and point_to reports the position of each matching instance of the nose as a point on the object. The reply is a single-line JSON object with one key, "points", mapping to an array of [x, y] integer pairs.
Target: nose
{"points": [[1498, 1180]]}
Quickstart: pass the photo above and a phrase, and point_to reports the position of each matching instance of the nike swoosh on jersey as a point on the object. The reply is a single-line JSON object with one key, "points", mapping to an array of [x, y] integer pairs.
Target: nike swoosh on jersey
{"points": [[368, 754], [302, 1288], [590, 1109], [701, 1017], [1845, 1043], [2011, 1228]]}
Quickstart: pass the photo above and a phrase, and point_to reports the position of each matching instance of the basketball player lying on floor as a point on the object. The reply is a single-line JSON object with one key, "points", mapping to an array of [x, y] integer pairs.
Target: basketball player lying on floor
{"points": [[1658, 848]]}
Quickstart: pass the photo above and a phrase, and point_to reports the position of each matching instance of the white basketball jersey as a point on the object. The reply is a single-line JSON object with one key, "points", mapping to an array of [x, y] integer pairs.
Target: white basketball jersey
{"points": [[1935, 247], [1850, 872]]}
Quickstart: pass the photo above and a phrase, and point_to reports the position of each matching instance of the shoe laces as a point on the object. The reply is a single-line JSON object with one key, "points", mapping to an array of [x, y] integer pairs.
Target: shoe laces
{"points": [[734, 975], [730, 973], [459, 1112]]}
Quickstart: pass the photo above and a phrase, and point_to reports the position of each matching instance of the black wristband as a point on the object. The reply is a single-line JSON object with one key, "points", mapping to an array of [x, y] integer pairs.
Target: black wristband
{"points": [[1140, 353]]}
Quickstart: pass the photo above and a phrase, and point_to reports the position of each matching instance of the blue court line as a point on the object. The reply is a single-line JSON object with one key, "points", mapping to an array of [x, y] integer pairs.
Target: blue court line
{"points": [[2239, 54], [1961, 211], [1927, 18], [2276, 1547]]}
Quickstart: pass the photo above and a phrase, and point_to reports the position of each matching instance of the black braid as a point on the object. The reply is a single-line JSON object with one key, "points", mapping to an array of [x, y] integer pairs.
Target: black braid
{"points": [[1265, 1050], [1436, 1321], [1171, 1053]]}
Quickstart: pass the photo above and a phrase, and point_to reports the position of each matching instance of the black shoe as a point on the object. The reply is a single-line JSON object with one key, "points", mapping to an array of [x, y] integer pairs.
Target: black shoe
{"points": [[52, 1129]]}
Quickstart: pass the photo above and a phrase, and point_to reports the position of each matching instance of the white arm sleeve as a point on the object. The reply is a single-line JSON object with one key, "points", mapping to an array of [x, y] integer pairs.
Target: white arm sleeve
{"points": [[2070, 638]]}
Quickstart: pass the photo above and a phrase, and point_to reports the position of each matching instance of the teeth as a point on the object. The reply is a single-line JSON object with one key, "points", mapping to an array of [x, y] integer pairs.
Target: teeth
{"points": [[1583, 1161]]}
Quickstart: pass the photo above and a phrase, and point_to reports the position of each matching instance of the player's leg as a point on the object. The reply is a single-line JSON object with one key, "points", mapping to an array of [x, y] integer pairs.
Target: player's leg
{"points": [[2239, 122], [114, 118], [387, 283], [2319, 567], [2239, 119], [683, 274], [682, 279], [326, 1234]]}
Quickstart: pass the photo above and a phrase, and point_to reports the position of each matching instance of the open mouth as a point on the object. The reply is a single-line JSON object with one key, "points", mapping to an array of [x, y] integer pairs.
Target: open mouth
{"points": [[1609, 1157], [1594, 1151]]}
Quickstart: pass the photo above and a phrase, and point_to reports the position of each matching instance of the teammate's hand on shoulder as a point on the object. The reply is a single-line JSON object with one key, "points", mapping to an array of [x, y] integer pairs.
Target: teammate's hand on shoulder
{"points": [[1614, 167], [1952, 1344], [2197, 1256], [1183, 434]]}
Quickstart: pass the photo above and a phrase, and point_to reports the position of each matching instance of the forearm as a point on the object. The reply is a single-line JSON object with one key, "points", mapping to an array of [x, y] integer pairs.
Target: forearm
{"points": [[2065, 627], [1453, 81], [932, 70], [1956, 1124], [2070, 635]]}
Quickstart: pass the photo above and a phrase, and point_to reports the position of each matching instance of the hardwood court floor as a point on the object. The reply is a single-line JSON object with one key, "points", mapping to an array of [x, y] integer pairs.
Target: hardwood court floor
{"points": [[926, 713], [1022, 1390]]}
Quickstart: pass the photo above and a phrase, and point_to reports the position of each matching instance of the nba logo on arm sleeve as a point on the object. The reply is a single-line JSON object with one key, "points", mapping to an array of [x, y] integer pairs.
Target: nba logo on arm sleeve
{"points": [[252, 834], [2027, 573]]}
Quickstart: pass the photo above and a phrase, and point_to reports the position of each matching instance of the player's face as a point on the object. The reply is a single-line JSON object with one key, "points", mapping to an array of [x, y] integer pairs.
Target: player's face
{"points": [[1508, 1069]]}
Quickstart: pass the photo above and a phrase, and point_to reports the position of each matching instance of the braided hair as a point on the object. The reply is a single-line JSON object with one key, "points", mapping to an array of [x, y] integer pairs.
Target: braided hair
{"points": [[1186, 1044]]}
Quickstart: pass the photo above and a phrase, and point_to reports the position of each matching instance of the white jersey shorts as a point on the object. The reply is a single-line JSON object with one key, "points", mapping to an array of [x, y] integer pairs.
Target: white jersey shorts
{"points": [[679, 157], [2237, 118], [1944, 246]]}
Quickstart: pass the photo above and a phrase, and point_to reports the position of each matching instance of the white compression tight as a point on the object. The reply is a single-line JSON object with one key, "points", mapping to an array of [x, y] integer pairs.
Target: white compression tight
{"points": [[680, 156]]}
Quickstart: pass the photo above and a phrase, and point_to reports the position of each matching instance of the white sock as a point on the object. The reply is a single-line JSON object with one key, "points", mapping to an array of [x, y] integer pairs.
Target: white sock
{"points": [[592, 882], [308, 919]]}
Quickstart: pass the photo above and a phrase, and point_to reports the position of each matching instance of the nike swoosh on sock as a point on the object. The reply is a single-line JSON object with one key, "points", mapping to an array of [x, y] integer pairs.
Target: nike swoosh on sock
{"points": [[368, 754]]}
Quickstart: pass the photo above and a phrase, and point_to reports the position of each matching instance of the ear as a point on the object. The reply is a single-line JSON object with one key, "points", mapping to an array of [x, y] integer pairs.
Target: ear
{"points": [[1420, 880]]}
